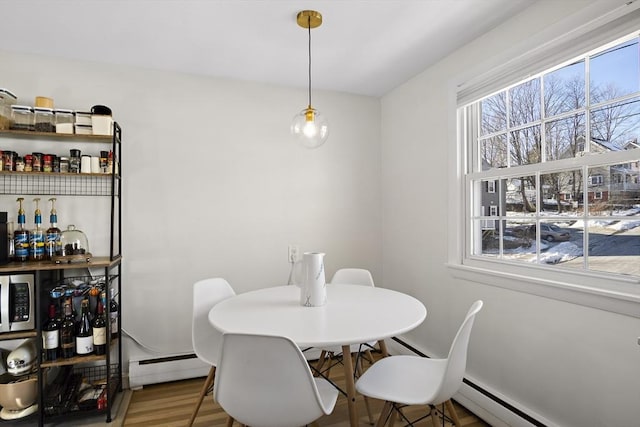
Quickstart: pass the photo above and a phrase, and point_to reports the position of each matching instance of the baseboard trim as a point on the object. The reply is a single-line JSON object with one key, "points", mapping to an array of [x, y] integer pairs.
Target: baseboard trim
{"points": [[484, 403]]}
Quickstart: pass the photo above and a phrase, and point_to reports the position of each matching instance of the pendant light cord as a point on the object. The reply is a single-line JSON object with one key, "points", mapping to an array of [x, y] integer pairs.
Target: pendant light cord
{"points": [[309, 29]]}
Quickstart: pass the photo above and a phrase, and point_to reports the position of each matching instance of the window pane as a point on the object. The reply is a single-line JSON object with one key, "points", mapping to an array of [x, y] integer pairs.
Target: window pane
{"points": [[564, 89], [561, 244], [524, 103], [525, 146], [612, 188], [494, 152], [614, 72], [521, 195], [562, 192], [613, 246], [493, 114], [616, 126], [565, 137]]}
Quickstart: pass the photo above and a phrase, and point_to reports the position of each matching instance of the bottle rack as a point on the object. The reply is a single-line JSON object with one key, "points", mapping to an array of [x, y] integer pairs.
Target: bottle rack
{"points": [[58, 401]]}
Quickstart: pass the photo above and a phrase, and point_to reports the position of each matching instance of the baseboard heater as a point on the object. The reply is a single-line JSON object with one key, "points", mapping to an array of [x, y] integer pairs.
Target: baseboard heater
{"points": [[506, 405], [164, 369]]}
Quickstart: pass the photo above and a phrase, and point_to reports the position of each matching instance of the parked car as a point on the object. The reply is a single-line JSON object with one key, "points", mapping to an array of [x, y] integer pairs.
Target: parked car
{"points": [[548, 232]]}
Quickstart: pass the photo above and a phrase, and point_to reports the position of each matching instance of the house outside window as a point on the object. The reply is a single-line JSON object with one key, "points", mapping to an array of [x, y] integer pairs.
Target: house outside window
{"points": [[559, 153]]}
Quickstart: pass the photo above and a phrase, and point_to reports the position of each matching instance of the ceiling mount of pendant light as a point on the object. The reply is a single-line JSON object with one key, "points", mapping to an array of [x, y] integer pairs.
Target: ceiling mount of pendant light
{"points": [[309, 126]]}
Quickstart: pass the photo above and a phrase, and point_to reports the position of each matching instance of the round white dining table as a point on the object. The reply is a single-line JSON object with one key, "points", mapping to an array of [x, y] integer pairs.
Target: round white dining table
{"points": [[353, 314]]}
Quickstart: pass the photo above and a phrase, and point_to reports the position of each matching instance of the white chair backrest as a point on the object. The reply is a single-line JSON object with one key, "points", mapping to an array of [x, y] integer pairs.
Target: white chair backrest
{"points": [[457, 358], [352, 276], [205, 338], [265, 381]]}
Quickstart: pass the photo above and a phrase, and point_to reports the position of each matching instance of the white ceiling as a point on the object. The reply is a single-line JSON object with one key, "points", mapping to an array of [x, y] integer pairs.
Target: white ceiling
{"points": [[364, 46]]}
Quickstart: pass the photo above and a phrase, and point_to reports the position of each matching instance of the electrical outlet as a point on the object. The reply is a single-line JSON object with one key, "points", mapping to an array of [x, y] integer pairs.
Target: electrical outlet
{"points": [[293, 253]]}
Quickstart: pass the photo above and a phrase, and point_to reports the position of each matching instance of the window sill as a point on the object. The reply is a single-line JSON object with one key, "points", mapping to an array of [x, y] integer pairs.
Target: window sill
{"points": [[625, 300]]}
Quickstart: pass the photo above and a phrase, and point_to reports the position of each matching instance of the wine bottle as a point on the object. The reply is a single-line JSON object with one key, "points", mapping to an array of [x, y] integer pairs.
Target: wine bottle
{"points": [[113, 314], [67, 333], [99, 326], [84, 337], [51, 335]]}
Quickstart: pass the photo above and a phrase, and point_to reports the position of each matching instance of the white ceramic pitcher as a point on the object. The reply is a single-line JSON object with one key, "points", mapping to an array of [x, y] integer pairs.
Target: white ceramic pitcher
{"points": [[313, 292]]}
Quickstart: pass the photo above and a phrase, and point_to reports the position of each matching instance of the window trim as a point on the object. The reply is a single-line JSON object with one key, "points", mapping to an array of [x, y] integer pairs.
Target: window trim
{"points": [[589, 29]]}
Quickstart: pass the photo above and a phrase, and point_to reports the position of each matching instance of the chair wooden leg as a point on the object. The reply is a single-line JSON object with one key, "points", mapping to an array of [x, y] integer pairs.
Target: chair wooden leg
{"points": [[392, 418], [434, 416], [452, 413], [321, 361], [207, 384], [386, 411], [230, 421], [366, 399]]}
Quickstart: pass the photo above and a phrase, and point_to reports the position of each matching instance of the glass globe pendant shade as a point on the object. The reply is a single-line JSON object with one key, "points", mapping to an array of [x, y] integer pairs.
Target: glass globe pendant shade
{"points": [[310, 128]]}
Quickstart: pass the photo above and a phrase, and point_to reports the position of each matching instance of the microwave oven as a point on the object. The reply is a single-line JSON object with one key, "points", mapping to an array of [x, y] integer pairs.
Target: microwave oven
{"points": [[17, 302]]}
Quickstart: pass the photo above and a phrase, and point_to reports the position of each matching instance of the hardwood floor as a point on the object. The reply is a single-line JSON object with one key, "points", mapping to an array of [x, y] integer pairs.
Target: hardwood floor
{"points": [[171, 404]]}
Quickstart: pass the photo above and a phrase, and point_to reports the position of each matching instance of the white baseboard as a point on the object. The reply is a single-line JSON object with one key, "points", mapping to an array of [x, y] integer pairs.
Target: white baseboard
{"points": [[172, 368]]}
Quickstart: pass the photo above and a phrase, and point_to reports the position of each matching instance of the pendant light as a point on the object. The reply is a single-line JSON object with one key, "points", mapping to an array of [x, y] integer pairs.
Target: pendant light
{"points": [[309, 126]]}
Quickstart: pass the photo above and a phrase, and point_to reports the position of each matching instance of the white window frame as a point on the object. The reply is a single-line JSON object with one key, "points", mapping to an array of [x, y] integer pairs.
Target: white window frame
{"points": [[561, 43], [491, 186]]}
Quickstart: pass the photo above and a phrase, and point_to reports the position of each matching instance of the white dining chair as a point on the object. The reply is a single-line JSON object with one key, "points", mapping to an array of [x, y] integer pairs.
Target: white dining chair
{"points": [[206, 340], [265, 381], [414, 380], [348, 276]]}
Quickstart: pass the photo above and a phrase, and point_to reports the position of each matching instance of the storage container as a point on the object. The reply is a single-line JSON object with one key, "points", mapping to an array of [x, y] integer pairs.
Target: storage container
{"points": [[22, 117], [83, 118], [102, 125], [83, 129], [65, 119], [6, 97], [44, 119], [5, 116], [44, 102]]}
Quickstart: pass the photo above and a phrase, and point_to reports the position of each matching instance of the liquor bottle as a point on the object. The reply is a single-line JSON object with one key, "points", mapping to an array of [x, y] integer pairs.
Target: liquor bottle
{"points": [[51, 335], [84, 337], [53, 245], [67, 333], [113, 314], [99, 326], [21, 236], [36, 240]]}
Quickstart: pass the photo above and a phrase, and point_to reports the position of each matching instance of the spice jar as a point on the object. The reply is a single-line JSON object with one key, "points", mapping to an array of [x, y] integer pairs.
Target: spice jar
{"points": [[44, 119], [47, 163], [19, 164], [22, 117], [74, 161], [28, 162], [64, 164], [36, 162], [8, 158]]}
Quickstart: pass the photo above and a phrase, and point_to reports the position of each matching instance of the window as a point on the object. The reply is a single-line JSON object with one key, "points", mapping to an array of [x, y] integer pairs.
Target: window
{"points": [[556, 155], [596, 180]]}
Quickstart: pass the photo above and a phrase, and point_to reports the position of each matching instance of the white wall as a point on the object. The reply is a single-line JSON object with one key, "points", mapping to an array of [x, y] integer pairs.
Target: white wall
{"points": [[214, 184], [562, 363]]}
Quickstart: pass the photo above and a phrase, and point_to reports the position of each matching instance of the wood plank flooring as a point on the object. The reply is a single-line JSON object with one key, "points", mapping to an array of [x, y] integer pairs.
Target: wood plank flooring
{"points": [[171, 404]]}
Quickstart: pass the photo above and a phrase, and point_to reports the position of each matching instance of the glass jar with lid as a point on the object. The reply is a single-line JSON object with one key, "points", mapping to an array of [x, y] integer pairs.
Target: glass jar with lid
{"points": [[44, 119], [75, 246], [22, 117], [65, 119]]}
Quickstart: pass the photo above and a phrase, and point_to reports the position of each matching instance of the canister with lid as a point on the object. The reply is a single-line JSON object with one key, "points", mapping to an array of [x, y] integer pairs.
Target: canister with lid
{"points": [[65, 120], [22, 117], [44, 119]]}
